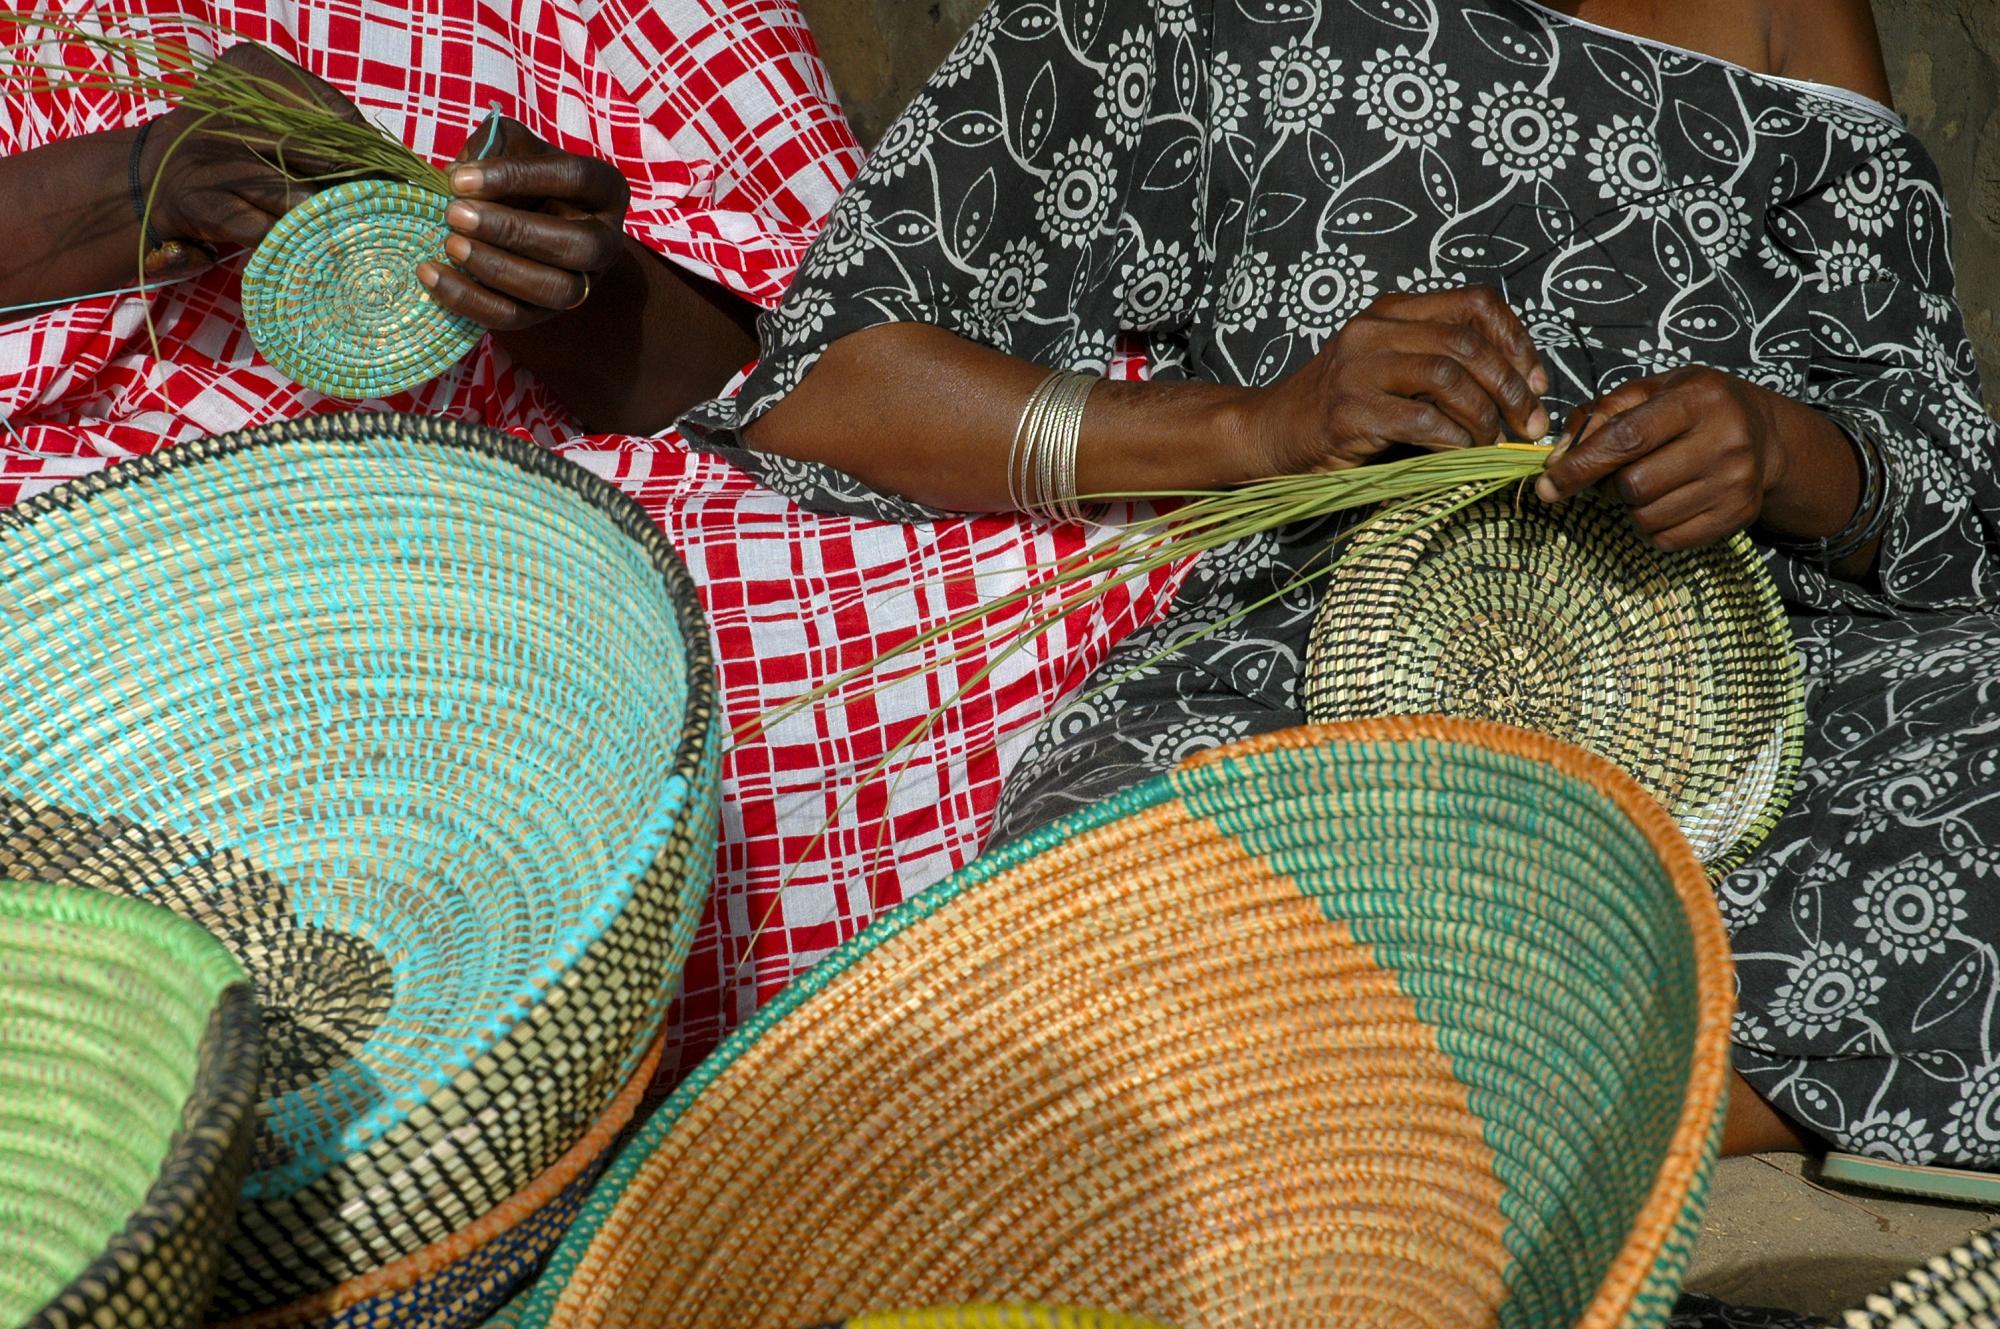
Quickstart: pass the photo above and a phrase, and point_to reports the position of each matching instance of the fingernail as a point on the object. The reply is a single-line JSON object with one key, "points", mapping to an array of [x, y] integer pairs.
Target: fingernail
{"points": [[467, 179], [427, 274], [1538, 425], [462, 217], [1539, 380], [458, 248], [1545, 489]]}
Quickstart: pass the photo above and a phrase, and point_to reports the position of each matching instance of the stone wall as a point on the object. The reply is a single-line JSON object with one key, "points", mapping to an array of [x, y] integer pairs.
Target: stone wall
{"points": [[1943, 58]]}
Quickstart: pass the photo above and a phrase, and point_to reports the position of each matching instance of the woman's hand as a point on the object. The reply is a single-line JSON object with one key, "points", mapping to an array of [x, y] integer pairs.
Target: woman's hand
{"points": [[1445, 370], [1697, 454], [207, 183], [531, 227]]}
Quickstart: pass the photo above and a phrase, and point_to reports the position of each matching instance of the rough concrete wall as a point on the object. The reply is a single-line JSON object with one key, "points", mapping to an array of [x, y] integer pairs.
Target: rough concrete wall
{"points": [[1943, 58]]}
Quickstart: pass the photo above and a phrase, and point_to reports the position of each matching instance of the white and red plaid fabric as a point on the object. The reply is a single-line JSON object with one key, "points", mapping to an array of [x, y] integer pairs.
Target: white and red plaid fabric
{"points": [[720, 114]]}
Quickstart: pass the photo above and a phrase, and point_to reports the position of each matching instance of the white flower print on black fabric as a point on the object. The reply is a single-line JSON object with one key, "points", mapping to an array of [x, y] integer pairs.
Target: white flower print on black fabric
{"points": [[1937, 308], [844, 242], [906, 139], [1323, 291], [1176, 18], [1408, 98], [1155, 285], [1713, 218], [1900, 1138], [1869, 199], [1527, 134], [1246, 291], [1424, 281], [1126, 94], [1008, 287], [1909, 910], [1228, 96], [1865, 129], [1625, 162], [1847, 263], [1972, 1135], [1299, 84], [1077, 197], [803, 314], [1826, 989], [1195, 734], [1554, 327], [971, 49]]}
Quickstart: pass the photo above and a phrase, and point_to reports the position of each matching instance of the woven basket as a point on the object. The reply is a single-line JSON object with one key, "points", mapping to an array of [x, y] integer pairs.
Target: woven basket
{"points": [[1960, 1287], [128, 1075], [420, 721], [1413, 1022], [331, 295], [1678, 667], [460, 1281], [995, 1317]]}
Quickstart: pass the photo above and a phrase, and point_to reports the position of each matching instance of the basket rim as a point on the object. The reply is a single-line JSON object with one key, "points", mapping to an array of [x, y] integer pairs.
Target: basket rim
{"points": [[1741, 558], [411, 1270], [226, 1096], [1687, 1151], [627, 517]]}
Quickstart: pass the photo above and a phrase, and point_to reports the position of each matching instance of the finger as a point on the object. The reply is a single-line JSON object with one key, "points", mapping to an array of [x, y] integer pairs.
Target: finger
{"points": [[1449, 385], [586, 245], [1418, 423], [587, 182], [274, 195], [1678, 505], [1483, 307], [238, 223], [460, 294], [500, 136], [511, 275], [1620, 440], [1710, 527]]}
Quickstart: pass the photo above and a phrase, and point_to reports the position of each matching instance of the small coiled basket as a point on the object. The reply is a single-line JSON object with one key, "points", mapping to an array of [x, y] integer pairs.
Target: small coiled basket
{"points": [[1418, 1023], [419, 720], [128, 1076]]}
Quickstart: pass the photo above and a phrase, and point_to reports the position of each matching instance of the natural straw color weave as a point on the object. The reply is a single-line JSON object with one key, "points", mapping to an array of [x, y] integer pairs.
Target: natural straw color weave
{"points": [[128, 1073], [997, 1317], [1678, 667], [1960, 1287], [420, 720], [331, 295], [1414, 1023], [458, 1282]]}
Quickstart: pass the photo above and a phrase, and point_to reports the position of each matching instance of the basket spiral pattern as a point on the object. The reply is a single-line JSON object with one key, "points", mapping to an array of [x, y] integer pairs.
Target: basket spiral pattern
{"points": [[331, 296], [1413, 1022], [1021, 1316], [1677, 667], [128, 1076], [420, 721]]}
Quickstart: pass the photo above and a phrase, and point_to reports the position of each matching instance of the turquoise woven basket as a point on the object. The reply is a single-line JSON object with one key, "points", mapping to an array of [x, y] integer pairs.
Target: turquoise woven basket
{"points": [[418, 719], [331, 295]]}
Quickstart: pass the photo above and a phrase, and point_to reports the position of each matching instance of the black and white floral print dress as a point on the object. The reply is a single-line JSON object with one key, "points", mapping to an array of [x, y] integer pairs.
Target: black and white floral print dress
{"points": [[1227, 181]]}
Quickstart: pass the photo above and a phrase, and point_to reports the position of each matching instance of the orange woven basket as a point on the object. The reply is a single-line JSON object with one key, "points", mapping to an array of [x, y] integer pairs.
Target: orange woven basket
{"points": [[1408, 1022]]}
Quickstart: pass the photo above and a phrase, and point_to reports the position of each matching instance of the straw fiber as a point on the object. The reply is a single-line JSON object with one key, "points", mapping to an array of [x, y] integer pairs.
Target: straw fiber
{"points": [[1677, 667], [460, 1281], [996, 1317], [1960, 1287], [1413, 1023], [419, 720], [128, 1074], [331, 295]]}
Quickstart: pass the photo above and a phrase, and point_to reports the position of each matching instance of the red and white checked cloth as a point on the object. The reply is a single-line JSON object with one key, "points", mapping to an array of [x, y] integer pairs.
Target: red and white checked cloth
{"points": [[720, 114]]}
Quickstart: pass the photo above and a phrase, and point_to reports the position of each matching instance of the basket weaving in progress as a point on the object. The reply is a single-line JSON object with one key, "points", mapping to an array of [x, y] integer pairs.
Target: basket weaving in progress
{"points": [[1960, 1287], [128, 1076], [460, 1281], [1677, 667], [996, 1317], [1410, 1022], [331, 295], [420, 721]]}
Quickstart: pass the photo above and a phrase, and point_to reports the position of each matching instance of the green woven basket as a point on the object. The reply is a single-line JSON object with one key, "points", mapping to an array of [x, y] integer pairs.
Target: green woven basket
{"points": [[1677, 667], [128, 1075], [331, 295], [1412, 1023], [419, 719]]}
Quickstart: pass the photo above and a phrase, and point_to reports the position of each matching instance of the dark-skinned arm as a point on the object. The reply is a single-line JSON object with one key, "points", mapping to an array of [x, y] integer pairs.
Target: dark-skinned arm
{"points": [[914, 410]]}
